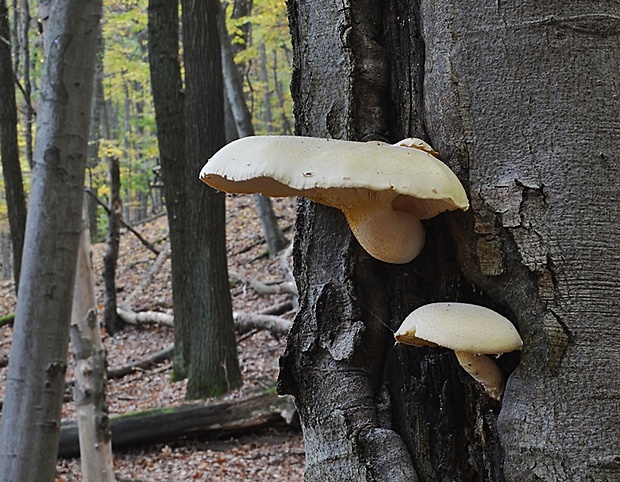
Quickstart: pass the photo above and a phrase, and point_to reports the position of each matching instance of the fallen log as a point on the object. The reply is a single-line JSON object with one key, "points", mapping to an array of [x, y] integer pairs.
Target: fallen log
{"points": [[212, 421]]}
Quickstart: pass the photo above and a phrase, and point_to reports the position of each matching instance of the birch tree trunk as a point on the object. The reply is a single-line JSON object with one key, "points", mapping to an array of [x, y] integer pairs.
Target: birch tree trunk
{"points": [[29, 426], [520, 100], [89, 357]]}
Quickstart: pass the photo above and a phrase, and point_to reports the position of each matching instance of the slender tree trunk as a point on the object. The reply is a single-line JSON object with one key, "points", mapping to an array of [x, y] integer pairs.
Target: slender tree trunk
{"points": [[90, 372], [175, 171], [95, 135], [9, 151], [276, 241], [111, 320], [286, 125], [5, 255], [214, 368], [28, 116], [267, 93], [29, 427]]}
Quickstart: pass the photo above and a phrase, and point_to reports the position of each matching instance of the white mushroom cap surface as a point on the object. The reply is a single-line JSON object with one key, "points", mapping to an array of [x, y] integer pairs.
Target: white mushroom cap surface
{"points": [[460, 327], [383, 190]]}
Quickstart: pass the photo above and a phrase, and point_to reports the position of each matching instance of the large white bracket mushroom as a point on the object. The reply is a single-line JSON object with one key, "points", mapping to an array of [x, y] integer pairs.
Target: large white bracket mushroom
{"points": [[383, 190], [472, 331]]}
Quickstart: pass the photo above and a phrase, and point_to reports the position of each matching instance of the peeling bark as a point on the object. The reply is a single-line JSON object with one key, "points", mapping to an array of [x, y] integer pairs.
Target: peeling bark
{"points": [[90, 372]]}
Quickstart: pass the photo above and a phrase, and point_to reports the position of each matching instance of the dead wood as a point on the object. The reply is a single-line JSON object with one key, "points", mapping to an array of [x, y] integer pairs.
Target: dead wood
{"points": [[134, 318], [146, 280], [263, 288], [153, 359], [244, 322], [276, 325], [273, 289], [212, 421], [106, 208]]}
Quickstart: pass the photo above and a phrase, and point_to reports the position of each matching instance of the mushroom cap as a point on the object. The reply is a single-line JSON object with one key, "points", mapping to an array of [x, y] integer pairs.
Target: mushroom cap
{"points": [[335, 172], [460, 327]]}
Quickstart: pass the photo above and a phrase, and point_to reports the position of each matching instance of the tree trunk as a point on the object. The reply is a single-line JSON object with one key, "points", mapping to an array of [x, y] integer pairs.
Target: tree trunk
{"points": [[214, 368], [95, 136], [525, 110], [276, 241], [5, 255], [9, 151], [168, 99], [29, 428], [484, 83], [29, 113], [89, 393], [111, 321]]}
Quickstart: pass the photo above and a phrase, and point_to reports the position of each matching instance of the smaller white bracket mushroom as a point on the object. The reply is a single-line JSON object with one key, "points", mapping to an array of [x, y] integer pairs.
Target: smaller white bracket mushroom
{"points": [[472, 331], [383, 190]]}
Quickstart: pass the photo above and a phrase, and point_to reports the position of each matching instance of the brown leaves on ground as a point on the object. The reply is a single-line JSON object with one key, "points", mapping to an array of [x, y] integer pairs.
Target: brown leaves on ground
{"points": [[275, 455]]}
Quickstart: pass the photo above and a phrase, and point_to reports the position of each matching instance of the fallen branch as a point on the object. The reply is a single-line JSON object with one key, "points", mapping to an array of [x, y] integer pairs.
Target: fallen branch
{"points": [[134, 318], [278, 309], [273, 289], [276, 325], [244, 322], [262, 288], [153, 270], [212, 421], [153, 359]]}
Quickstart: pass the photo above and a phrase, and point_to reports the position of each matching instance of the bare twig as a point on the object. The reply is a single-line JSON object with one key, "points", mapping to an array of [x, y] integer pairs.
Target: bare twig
{"points": [[124, 223]]}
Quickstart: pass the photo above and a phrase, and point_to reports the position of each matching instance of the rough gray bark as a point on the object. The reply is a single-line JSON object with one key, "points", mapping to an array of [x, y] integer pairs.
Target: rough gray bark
{"points": [[337, 347], [535, 133], [9, 150], [517, 99], [214, 367], [35, 383]]}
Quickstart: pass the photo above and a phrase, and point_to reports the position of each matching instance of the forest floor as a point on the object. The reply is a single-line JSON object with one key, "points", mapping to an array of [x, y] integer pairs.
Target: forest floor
{"points": [[270, 455]]}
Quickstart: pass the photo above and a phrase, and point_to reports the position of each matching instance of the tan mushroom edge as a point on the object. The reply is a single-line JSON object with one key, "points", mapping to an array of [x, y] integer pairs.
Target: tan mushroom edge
{"points": [[383, 190], [472, 331]]}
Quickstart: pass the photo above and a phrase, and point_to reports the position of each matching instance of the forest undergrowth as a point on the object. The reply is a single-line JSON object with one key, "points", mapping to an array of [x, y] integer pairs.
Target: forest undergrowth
{"points": [[271, 454]]}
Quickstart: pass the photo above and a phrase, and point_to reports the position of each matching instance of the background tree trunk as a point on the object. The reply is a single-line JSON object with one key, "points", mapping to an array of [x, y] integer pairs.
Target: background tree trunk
{"points": [[233, 83], [9, 151], [168, 100], [111, 321], [30, 421], [214, 368], [506, 94]]}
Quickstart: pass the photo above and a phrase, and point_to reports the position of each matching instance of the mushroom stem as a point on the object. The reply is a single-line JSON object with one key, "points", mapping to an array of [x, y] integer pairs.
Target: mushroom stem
{"points": [[483, 370], [388, 235]]}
